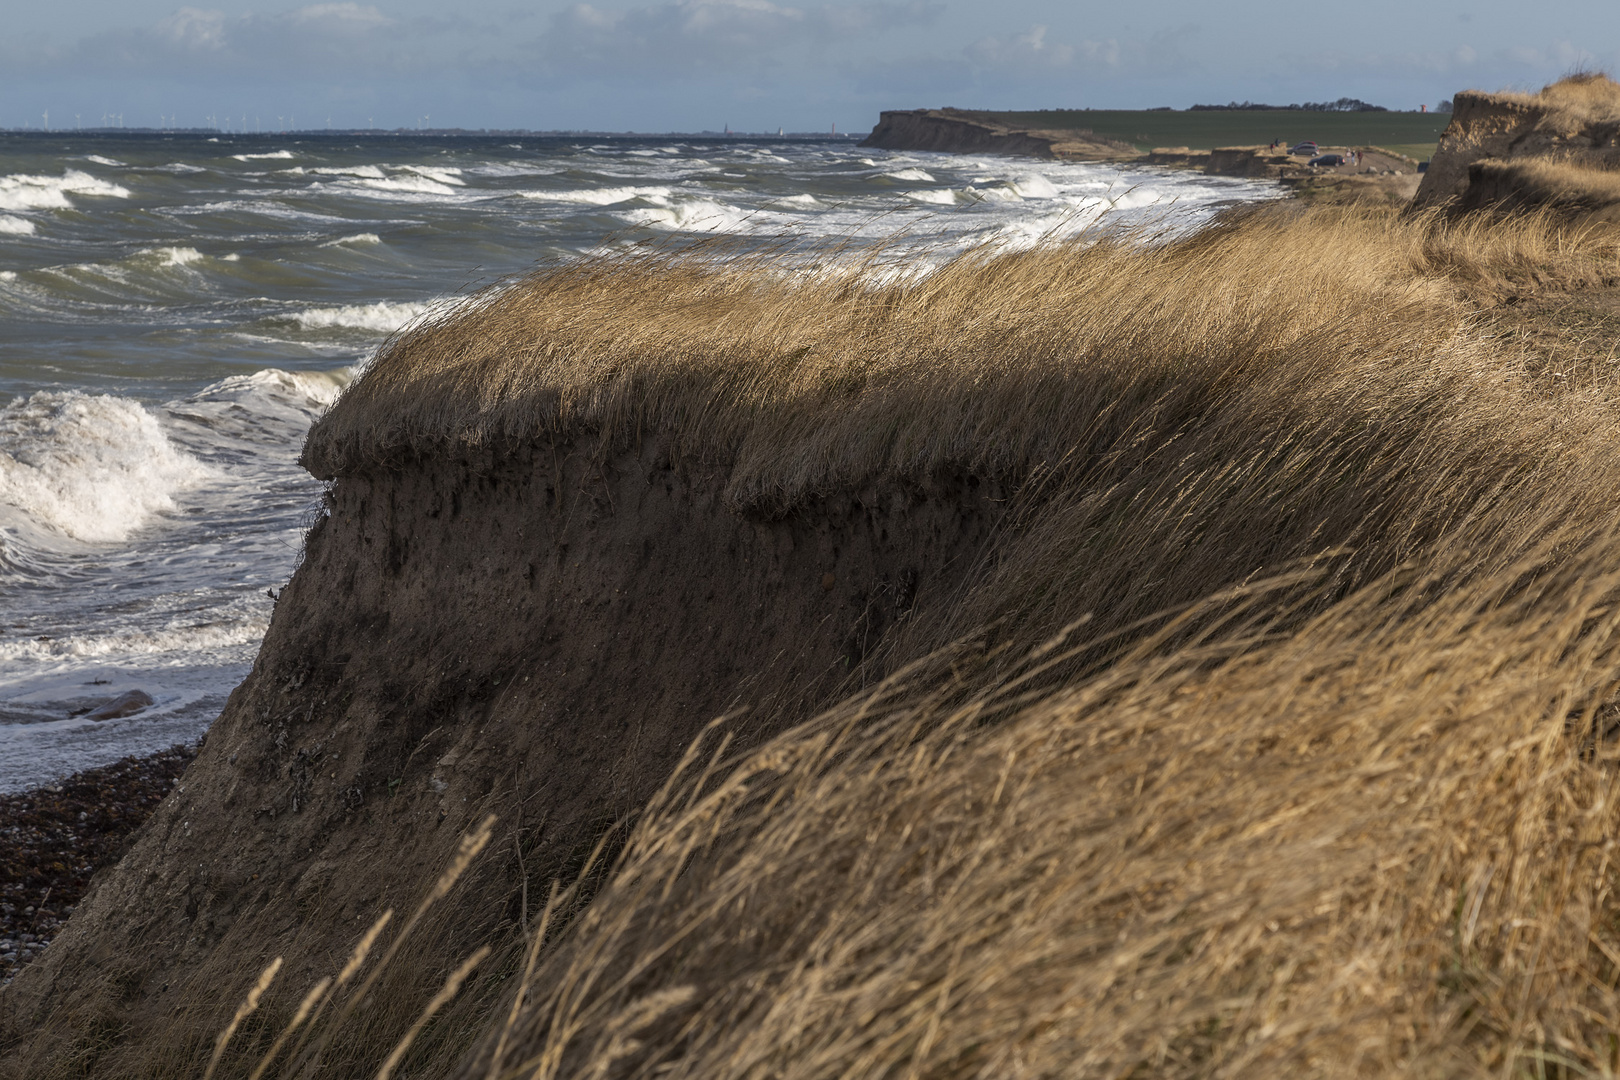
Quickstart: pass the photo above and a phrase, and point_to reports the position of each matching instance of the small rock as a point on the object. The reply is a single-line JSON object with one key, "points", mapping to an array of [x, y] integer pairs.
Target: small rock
{"points": [[127, 704]]}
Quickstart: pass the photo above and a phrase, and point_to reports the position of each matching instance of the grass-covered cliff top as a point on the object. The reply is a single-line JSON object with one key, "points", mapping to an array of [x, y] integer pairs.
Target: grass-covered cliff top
{"points": [[1283, 382], [1568, 105], [1411, 133], [810, 377]]}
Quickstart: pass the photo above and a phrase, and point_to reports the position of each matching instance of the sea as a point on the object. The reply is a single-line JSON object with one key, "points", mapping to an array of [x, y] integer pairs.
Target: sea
{"points": [[176, 309]]}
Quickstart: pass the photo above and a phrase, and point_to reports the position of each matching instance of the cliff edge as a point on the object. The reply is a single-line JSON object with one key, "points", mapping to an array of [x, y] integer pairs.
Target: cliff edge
{"points": [[957, 132]]}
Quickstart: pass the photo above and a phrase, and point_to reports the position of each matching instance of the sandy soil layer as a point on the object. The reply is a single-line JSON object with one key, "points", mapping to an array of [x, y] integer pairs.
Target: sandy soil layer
{"points": [[53, 839]]}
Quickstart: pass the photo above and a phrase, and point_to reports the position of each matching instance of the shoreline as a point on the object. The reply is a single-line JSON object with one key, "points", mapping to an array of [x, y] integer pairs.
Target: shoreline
{"points": [[56, 837], [1383, 175]]}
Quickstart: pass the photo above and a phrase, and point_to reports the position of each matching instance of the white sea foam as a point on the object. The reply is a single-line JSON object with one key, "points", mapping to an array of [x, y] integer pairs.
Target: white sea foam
{"points": [[174, 256], [408, 183], [365, 172], [1031, 186], [271, 390], [274, 155], [133, 643], [25, 191], [440, 174], [935, 197], [689, 215], [1035, 186], [92, 467], [602, 196], [99, 160], [366, 238], [16, 226], [913, 175], [382, 316]]}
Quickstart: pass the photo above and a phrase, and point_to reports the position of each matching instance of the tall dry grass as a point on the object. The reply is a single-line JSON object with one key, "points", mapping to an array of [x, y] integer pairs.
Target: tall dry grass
{"points": [[809, 377], [1381, 844], [1274, 736], [1572, 104], [1569, 183]]}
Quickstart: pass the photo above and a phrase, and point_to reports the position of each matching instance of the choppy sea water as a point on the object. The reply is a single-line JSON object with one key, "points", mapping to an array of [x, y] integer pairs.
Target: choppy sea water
{"points": [[176, 310]]}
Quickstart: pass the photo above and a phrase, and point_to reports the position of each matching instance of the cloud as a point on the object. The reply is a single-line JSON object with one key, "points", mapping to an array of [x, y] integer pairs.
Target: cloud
{"points": [[1035, 55], [694, 37], [192, 30], [1536, 63], [1032, 49], [315, 36]]}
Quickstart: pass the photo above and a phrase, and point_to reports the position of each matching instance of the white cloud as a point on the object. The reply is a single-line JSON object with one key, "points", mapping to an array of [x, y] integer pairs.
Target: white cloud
{"points": [[1026, 49], [1034, 54], [329, 35]]}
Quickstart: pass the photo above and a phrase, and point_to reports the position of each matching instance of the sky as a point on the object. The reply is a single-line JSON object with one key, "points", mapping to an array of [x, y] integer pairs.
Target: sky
{"points": [[755, 65]]}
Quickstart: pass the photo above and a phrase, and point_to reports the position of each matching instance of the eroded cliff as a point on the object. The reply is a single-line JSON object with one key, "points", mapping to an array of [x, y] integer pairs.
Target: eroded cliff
{"points": [[957, 132], [1572, 125]]}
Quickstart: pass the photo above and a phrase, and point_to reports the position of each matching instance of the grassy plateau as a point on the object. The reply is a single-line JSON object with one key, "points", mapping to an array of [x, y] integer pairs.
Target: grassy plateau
{"points": [[1412, 134]]}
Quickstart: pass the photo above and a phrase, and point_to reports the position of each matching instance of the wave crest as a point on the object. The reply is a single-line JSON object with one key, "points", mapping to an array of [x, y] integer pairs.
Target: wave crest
{"points": [[93, 467]]}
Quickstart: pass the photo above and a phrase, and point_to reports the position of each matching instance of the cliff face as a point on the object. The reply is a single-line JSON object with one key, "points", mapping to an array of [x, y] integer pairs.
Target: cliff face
{"points": [[537, 632], [1482, 126], [951, 131], [1575, 122]]}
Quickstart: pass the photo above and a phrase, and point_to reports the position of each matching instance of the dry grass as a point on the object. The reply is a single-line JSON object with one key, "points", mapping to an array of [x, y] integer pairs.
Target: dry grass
{"points": [[1571, 104], [1288, 748], [820, 379], [1564, 183], [1381, 844], [1187, 414]]}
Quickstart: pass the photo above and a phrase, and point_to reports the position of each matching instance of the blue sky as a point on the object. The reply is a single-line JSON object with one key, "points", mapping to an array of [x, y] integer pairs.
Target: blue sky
{"points": [[689, 65]]}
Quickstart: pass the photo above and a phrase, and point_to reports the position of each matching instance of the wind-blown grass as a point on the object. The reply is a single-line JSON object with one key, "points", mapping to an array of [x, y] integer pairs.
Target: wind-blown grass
{"points": [[1380, 844]]}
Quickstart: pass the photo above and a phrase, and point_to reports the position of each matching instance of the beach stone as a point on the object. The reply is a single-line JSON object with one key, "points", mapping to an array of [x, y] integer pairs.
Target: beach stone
{"points": [[126, 704]]}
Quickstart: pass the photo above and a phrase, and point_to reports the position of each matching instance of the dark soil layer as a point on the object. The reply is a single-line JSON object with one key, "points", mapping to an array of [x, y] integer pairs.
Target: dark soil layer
{"points": [[54, 838]]}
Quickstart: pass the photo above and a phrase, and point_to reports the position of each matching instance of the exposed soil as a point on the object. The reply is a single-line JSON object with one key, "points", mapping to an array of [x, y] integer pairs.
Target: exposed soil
{"points": [[54, 838]]}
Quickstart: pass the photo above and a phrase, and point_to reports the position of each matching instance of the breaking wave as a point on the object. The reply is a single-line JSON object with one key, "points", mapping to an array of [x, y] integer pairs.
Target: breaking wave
{"points": [[27, 191], [92, 467]]}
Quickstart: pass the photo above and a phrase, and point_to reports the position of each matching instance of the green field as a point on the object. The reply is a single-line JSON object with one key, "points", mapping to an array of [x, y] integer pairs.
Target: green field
{"points": [[1413, 134]]}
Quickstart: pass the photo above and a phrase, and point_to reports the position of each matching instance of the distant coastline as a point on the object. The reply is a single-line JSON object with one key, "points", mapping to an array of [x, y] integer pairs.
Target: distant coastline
{"points": [[1381, 152], [1085, 134]]}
